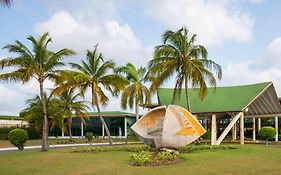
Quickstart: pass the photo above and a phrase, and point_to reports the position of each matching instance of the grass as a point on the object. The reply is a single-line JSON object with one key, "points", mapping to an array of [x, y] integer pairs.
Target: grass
{"points": [[246, 160], [6, 143]]}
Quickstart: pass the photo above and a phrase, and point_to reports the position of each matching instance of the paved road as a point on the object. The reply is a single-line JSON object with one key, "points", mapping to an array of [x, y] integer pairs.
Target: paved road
{"points": [[58, 146]]}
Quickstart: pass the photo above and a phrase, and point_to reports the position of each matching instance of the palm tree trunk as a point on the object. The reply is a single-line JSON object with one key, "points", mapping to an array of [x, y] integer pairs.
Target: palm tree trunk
{"points": [[105, 125], [137, 111], [45, 128], [69, 128], [186, 95]]}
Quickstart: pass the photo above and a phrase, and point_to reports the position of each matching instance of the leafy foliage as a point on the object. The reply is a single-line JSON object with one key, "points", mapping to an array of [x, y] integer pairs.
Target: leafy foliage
{"points": [[207, 135], [178, 55], [96, 74], [37, 63], [267, 132], [136, 93], [141, 158], [34, 113], [18, 137], [32, 132], [89, 136]]}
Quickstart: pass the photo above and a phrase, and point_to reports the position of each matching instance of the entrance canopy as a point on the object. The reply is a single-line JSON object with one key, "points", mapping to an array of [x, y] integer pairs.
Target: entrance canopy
{"points": [[254, 100]]}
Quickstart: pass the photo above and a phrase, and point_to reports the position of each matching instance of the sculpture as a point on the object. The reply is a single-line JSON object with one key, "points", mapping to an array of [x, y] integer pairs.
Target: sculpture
{"points": [[168, 127]]}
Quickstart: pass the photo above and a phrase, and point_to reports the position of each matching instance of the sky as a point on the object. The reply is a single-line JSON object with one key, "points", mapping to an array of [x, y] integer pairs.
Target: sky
{"points": [[243, 36]]}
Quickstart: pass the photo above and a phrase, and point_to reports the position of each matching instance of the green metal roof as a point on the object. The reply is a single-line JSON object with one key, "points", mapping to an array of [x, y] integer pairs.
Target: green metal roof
{"points": [[111, 113], [220, 99], [9, 117]]}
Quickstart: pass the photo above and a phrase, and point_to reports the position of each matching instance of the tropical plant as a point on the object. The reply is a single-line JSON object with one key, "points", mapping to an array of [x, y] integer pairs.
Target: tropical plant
{"points": [[178, 55], [89, 136], [34, 113], [136, 93], [266, 133], [39, 63], [95, 74], [18, 137], [70, 105]]}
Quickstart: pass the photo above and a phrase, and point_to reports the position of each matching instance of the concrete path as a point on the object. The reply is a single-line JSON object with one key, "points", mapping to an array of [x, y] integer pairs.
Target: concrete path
{"points": [[58, 146]]}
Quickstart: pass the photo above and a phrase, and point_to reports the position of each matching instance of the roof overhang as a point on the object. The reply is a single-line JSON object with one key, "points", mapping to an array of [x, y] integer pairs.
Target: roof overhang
{"points": [[265, 104]]}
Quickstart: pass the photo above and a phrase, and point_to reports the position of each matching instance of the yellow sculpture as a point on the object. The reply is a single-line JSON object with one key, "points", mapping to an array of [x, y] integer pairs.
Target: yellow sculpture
{"points": [[168, 127]]}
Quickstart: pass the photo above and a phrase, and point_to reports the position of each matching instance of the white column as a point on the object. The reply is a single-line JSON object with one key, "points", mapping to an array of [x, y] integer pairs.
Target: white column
{"points": [[82, 129], [276, 128], [125, 126], [62, 132], [102, 130], [254, 129], [242, 129], [214, 130], [234, 132], [259, 124]]}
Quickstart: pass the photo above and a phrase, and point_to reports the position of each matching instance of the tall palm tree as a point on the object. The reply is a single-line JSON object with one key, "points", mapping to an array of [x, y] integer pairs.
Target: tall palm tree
{"points": [[70, 105], [39, 63], [6, 2], [178, 55], [95, 74], [136, 93]]}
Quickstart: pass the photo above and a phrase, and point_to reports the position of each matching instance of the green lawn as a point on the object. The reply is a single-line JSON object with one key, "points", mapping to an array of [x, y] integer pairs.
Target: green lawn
{"points": [[247, 159], [6, 143]]}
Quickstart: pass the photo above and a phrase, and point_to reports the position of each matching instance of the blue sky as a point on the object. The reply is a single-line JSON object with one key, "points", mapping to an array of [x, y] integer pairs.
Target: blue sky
{"points": [[243, 36]]}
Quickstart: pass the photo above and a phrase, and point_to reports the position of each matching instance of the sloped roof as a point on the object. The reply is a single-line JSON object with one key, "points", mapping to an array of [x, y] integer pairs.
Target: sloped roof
{"points": [[111, 113], [220, 99], [9, 117]]}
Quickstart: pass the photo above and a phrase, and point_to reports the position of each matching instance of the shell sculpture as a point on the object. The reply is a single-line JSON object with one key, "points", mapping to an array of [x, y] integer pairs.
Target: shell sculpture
{"points": [[168, 127]]}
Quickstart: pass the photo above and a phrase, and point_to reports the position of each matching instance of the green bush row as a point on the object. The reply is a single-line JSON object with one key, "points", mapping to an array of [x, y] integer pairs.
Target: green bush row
{"points": [[193, 148], [93, 149], [32, 132]]}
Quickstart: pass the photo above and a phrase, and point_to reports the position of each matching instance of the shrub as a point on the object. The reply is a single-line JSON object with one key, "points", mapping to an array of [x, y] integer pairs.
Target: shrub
{"points": [[32, 132], [166, 155], [89, 136], [207, 135], [141, 158], [18, 137], [266, 133]]}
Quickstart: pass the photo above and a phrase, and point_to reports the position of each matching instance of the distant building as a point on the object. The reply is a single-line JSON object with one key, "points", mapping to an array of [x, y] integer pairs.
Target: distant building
{"points": [[8, 121], [118, 123]]}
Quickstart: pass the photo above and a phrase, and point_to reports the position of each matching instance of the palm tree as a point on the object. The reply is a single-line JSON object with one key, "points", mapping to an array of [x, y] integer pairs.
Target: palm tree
{"points": [[94, 73], [136, 93], [70, 104], [178, 55], [6, 2], [34, 113], [38, 63]]}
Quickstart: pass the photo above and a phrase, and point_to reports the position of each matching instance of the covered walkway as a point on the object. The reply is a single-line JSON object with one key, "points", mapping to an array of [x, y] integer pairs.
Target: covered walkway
{"points": [[253, 101]]}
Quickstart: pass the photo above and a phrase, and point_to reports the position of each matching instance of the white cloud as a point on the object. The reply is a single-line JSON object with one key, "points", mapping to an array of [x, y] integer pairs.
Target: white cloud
{"points": [[267, 69], [257, 1], [273, 53], [116, 40], [214, 21]]}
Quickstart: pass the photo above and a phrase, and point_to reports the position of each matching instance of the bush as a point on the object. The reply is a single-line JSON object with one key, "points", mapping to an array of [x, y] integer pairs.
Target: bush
{"points": [[266, 133], [140, 159], [89, 136], [18, 137], [91, 149], [166, 155], [207, 135], [32, 132]]}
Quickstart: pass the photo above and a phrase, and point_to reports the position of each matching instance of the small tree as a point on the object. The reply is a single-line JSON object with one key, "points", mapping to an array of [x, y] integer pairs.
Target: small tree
{"points": [[266, 133], [18, 137], [89, 136]]}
